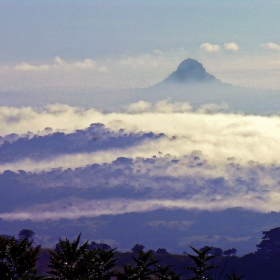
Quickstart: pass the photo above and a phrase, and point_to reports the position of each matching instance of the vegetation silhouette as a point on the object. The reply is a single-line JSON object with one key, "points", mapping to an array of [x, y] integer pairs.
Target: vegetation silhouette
{"points": [[234, 276], [18, 259], [201, 268], [270, 244], [73, 261], [26, 233], [70, 261], [146, 268]]}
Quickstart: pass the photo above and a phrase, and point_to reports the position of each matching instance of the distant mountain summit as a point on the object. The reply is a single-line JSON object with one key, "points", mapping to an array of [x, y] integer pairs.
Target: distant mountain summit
{"points": [[190, 71]]}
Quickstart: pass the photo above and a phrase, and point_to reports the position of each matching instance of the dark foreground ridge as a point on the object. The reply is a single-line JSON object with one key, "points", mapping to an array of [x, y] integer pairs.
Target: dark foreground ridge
{"points": [[189, 71], [70, 260]]}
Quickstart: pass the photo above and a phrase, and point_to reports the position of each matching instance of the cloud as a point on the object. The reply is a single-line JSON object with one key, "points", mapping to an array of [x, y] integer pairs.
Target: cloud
{"points": [[139, 107], [205, 160], [28, 67], [87, 63], [213, 108], [136, 71], [210, 48], [76, 208], [103, 69], [188, 182], [231, 47], [163, 106], [271, 46], [218, 135], [59, 63]]}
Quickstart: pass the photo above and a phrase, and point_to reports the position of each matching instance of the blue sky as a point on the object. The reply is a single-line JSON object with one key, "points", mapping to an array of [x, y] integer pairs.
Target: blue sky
{"points": [[43, 29], [157, 34]]}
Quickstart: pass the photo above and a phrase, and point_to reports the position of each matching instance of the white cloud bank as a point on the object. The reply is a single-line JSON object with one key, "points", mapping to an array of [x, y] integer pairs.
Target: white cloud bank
{"points": [[218, 135], [235, 163]]}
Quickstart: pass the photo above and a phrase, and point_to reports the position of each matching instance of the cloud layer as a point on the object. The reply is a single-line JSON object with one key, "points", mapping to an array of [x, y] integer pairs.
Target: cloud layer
{"points": [[218, 135], [147, 157], [139, 185]]}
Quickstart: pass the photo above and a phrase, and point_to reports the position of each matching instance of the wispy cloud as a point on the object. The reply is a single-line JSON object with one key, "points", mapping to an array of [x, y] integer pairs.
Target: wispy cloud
{"points": [[29, 67], [58, 63], [163, 106], [74, 209]]}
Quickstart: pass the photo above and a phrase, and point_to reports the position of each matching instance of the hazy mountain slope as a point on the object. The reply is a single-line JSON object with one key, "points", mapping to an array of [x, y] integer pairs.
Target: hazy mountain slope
{"points": [[191, 83], [190, 71]]}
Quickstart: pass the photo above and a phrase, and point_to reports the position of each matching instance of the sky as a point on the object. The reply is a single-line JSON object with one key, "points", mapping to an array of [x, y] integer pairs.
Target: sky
{"points": [[127, 44], [203, 156]]}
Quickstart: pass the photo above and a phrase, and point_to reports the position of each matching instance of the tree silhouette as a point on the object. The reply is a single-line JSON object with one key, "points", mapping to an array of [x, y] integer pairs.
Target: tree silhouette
{"points": [[68, 261], [71, 262], [214, 251], [270, 244], [202, 267], [230, 252], [137, 247], [26, 233], [101, 267], [165, 273], [144, 269], [18, 259]]}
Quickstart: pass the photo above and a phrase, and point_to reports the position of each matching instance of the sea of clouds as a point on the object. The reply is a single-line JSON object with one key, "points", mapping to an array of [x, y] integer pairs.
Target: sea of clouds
{"points": [[145, 157]]}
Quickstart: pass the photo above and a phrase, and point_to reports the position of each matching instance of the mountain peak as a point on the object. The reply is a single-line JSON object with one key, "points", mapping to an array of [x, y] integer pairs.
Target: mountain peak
{"points": [[190, 70]]}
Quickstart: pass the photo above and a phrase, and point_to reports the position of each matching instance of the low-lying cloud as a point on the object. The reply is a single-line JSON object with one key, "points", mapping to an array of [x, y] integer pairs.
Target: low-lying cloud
{"points": [[218, 135], [77, 209], [147, 156]]}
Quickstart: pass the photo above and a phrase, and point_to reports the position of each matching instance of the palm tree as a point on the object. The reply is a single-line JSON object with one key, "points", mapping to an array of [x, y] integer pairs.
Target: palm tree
{"points": [[68, 260], [71, 262]]}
